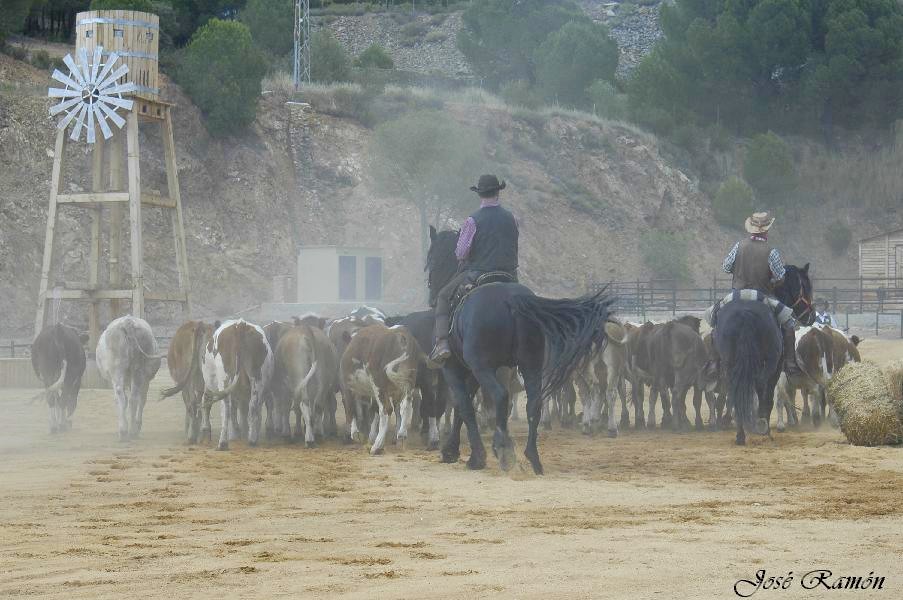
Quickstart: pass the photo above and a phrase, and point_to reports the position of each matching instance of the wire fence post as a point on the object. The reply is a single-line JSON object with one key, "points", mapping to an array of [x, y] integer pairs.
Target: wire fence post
{"points": [[12, 347], [674, 300], [834, 300]]}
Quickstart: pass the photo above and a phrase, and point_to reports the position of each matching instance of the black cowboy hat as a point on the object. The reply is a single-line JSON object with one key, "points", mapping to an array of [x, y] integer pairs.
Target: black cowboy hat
{"points": [[487, 184]]}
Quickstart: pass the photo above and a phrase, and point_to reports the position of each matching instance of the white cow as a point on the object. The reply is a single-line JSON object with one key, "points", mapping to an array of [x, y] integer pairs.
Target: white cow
{"points": [[127, 356]]}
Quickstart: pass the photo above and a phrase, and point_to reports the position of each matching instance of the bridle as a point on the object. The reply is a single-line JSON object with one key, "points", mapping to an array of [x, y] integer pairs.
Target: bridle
{"points": [[801, 300]]}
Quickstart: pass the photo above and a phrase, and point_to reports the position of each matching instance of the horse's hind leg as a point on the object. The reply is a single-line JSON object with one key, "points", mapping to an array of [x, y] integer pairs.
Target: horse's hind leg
{"points": [[533, 387], [462, 387], [497, 394]]}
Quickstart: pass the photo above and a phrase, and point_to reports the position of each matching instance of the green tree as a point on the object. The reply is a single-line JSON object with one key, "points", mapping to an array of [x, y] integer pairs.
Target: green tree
{"points": [[498, 37], [427, 158], [733, 202], [374, 57], [769, 168], [271, 23], [329, 60], [12, 16], [221, 72], [570, 59], [606, 101], [142, 5]]}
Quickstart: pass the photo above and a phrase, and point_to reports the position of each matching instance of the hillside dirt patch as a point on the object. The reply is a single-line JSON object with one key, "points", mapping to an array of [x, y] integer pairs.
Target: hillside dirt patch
{"points": [[643, 515]]}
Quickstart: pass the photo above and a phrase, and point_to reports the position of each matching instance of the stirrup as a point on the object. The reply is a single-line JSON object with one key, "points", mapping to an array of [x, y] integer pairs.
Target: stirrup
{"points": [[441, 352]]}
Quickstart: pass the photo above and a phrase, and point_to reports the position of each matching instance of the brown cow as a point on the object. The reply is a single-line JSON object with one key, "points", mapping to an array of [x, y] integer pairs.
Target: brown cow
{"points": [[186, 351], [844, 349], [276, 395], [237, 368], [295, 366], [815, 357], [678, 357], [380, 365], [340, 332]]}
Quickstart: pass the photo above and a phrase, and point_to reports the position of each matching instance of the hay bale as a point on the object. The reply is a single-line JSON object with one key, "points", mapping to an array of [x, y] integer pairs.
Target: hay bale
{"points": [[868, 413], [894, 374]]}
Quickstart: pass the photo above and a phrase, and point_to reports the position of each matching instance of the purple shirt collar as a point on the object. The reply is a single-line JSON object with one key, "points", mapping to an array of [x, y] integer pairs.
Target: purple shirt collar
{"points": [[489, 202]]}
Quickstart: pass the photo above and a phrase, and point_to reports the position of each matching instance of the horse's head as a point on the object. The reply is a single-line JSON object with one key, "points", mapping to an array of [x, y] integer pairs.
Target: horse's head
{"points": [[441, 263], [797, 293]]}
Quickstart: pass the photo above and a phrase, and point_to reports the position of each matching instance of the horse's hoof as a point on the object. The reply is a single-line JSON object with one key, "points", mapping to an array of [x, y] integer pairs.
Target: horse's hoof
{"points": [[223, 446], [476, 463], [450, 458], [377, 451], [612, 433]]}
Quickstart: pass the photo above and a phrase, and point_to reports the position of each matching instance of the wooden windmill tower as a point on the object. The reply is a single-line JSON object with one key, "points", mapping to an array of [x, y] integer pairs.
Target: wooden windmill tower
{"points": [[111, 87]]}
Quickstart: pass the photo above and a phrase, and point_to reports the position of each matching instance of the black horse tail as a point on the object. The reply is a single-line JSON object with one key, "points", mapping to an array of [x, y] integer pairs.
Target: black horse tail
{"points": [[747, 361], [574, 332]]}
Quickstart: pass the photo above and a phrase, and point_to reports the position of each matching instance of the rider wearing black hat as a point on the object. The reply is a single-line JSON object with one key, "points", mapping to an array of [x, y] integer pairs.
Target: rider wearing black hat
{"points": [[487, 243]]}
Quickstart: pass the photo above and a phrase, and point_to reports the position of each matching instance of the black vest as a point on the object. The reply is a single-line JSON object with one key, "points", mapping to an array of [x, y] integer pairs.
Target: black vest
{"points": [[494, 247]]}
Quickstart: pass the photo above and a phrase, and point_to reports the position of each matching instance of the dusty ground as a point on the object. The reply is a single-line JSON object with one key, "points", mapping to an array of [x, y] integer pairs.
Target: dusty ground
{"points": [[648, 515]]}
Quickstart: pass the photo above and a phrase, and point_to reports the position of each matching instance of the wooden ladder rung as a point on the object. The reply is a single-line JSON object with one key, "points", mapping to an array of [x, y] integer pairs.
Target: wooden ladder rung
{"points": [[157, 200], [92, 198]]}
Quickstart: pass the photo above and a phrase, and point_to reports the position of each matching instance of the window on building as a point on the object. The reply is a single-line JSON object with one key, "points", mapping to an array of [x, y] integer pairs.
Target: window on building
{"points": [[347, 278], [373, 278]]}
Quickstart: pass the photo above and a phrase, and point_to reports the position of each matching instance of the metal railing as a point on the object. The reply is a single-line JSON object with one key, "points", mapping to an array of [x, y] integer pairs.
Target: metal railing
{"points": [[845, 296], [18, 349]]}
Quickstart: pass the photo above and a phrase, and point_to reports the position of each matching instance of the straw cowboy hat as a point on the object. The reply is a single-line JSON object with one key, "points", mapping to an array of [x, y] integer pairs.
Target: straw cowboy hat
{"points": [[759, 222], [487, 185]]}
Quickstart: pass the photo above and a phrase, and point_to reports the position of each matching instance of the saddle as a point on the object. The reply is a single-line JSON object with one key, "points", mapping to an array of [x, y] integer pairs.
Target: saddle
{"points": [[467, 288], [782, 313]]}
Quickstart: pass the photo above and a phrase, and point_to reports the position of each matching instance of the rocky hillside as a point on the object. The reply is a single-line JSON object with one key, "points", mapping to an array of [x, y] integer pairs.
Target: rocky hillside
{"points": [[584, 190], [426, 44]]}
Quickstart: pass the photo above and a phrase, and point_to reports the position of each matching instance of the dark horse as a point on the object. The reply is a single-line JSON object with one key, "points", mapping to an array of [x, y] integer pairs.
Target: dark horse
{"points": [[749, 342], [506, 325]]}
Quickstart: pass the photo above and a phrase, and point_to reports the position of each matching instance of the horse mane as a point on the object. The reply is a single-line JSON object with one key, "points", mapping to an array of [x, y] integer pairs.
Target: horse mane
{"points": [[442, 250]]}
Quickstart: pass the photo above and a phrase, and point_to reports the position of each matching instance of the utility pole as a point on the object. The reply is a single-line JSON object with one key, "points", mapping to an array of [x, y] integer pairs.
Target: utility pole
{"points": [[301, 72]]}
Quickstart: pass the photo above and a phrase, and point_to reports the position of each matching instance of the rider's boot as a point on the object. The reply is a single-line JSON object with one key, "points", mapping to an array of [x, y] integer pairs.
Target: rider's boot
{"points": [[790, 365], [441, 352]]}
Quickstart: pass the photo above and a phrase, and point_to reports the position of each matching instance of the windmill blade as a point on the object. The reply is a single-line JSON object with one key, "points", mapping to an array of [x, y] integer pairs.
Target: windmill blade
{"points": [[61, 93], [64, 122], [55, 110], [119, 102], [102, 121], [111, 114], [95, 64], [111, 60], [122, 88], [83, 59], [119, 72], [66, 80], [92, 133], [79, 123], [73, 68]]}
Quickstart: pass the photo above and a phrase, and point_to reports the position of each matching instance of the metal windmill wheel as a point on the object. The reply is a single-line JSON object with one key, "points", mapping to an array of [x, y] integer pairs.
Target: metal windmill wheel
{"points": [[91, 95]]}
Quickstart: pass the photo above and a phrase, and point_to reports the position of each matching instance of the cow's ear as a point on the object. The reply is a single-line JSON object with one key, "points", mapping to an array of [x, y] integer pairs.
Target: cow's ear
{"points": [[855, 339], [433, 233]]}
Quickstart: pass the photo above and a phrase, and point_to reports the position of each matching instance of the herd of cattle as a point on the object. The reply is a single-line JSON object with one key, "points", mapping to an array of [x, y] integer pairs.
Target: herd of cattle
{"points": [[377, 365]]}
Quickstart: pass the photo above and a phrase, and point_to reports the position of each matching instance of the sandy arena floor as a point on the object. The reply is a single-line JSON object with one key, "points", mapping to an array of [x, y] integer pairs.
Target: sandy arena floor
{"points": [[648, 515]]}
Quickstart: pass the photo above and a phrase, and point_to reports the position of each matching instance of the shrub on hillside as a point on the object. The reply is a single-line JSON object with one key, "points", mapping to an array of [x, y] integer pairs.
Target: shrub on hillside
{"points": [[332, 62], [733, 202], [519, 93], [41, 59], [666, 255], [570, 59], [605, 100], [221, 72], [270, 22], [435, 37], [12, 17], [768, 167], [374, 57], [413, 32], [838, 236]]}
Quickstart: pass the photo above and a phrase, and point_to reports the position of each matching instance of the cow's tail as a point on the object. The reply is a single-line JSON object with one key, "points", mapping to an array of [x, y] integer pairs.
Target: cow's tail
{"points": [[573, 330], [130, 333], [217, 396], [302, 386], [59, 382], [195, 350]]}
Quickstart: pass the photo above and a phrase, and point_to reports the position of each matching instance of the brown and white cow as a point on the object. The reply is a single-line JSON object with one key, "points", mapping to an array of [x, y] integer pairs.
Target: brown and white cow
{"points": [[237, 367], [58, 359], [605, 380], [127, 357], [379, 367], [186, 352], [815, 358]]}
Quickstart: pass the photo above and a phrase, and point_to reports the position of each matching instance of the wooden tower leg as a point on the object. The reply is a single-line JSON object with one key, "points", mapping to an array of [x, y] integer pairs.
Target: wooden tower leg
{"points": [[58, 149], [116, 185], [178, 224], [94, 265], [134, 175]]}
